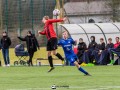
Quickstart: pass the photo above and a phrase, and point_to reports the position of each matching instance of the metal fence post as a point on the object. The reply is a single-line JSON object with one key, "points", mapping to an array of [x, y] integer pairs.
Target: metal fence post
{"points": [[32, 16], [20, 17], [6, 16]]}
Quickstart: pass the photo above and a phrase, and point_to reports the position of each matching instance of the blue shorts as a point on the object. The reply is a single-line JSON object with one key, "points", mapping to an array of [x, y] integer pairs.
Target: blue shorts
{"points": [[72, 58]]}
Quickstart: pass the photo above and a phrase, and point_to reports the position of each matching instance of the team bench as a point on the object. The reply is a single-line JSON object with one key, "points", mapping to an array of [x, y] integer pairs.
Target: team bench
{"points": [[44, 61]]}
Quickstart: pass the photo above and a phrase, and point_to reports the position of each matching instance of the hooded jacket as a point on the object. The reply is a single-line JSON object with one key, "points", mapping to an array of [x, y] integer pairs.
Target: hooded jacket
{"points": [[92, 45]]}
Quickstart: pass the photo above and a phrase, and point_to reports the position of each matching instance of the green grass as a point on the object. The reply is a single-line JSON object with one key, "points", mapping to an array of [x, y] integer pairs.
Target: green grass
{"points": [[37, 78]]}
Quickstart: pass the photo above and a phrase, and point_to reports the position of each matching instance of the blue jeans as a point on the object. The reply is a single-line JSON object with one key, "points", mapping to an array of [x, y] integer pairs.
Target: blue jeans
{"points": [[96, 56], [5, 53], [87, 56]]}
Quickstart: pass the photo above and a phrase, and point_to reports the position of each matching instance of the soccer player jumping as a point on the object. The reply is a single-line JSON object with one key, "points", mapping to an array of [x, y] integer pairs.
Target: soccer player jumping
{"points": [[66, 44], [52, 39]]}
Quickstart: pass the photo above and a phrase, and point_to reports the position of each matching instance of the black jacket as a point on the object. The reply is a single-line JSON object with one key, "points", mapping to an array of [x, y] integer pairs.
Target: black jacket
{"points": [[100, 46], [81, 47], [92, 45], [31, 42], [111, 45], [5, 42]]}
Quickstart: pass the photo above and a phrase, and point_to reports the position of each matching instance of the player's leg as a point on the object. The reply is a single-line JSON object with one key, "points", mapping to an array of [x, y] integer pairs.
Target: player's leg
{"points": [[54, 43], [58, 55], [73, 59], [80, 68], [50, 59]]}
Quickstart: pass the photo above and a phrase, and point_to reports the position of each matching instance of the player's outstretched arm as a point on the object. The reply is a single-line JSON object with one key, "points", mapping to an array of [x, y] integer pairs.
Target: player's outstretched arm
{"points": [[22, 39], [41, 32], [57, 20]]}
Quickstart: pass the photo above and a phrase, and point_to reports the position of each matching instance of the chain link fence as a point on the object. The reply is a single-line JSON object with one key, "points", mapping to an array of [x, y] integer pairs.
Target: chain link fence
{"points": [[24, 15]]}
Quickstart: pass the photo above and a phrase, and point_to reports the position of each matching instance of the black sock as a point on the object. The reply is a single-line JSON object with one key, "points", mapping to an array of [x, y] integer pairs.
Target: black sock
{"points": [[50, 59], [59, 56]]}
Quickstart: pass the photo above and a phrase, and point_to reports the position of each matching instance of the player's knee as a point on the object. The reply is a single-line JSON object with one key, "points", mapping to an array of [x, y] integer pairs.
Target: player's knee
{"points": [[54, 53], [49, 53], [76, 64]]}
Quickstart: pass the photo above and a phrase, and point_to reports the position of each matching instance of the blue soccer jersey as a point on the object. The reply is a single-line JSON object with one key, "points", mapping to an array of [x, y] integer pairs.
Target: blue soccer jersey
{"points": [[67, 47]]}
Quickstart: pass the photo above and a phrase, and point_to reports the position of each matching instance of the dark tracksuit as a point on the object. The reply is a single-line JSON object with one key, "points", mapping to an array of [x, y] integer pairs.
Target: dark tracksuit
{"points": [[96, 52], [5, 43], [32, 45], [87, 56], [105, 55], [81, 48]]}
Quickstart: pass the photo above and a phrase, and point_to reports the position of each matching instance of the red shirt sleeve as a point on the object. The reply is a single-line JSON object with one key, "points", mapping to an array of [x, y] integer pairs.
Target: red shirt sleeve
{"points": [[43, 32], [55, 20]]}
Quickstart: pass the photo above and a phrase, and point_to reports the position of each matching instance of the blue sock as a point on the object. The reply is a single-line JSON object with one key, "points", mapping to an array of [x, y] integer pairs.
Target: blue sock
{"points": [[82, 70]]}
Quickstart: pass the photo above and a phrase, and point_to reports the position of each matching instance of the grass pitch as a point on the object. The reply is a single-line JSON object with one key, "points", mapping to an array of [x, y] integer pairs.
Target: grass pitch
{"points": [[37, 78]]}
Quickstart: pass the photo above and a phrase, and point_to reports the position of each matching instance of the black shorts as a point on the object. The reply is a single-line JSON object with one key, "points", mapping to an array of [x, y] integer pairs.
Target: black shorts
{"points": [[52, 44]]}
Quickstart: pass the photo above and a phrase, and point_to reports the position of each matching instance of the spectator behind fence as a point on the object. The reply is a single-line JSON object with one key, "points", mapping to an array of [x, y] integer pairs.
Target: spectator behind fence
{"points": [[105, 56], [5, 43], [32, 45], [87, 56], [99, 49], [115, 50], [81, 48]]}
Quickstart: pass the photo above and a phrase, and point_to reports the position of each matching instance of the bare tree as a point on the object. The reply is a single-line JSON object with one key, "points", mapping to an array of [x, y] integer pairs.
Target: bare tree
{"points": [[114, 5]]}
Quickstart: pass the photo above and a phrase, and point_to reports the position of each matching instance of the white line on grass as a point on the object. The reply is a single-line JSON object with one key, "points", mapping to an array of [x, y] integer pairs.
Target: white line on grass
{"points": [[85, 88], [31, 89]]}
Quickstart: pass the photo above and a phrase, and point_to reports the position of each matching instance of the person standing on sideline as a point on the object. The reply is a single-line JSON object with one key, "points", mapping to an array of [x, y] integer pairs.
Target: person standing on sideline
{"points": [[52, 39], [32, 45], [5, 44]]}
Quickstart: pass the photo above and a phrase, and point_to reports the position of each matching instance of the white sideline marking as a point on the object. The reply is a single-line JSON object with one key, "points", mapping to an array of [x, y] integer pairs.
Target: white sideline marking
{"points": [[88, 88], [32, 89]]}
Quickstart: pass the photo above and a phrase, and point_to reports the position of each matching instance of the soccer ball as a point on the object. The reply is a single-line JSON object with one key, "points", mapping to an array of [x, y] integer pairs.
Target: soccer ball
{"points": [[53, 87], [56, 12]]}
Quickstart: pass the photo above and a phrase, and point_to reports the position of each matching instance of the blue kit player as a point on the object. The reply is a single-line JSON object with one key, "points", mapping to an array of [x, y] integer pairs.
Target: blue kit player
{"points": [[66, 44]]}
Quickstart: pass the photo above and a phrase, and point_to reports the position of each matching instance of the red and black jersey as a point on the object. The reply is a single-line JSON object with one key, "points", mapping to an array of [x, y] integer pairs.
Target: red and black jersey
{"points": [[49, 29]]}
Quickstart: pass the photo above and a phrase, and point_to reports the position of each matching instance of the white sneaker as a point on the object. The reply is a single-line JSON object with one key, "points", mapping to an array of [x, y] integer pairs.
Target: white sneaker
{"points": [[8, 65]]}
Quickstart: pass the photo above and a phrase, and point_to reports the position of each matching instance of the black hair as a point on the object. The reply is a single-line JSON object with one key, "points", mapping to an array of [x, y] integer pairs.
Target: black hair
{"points": [[81, 39], [29, 32]]}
